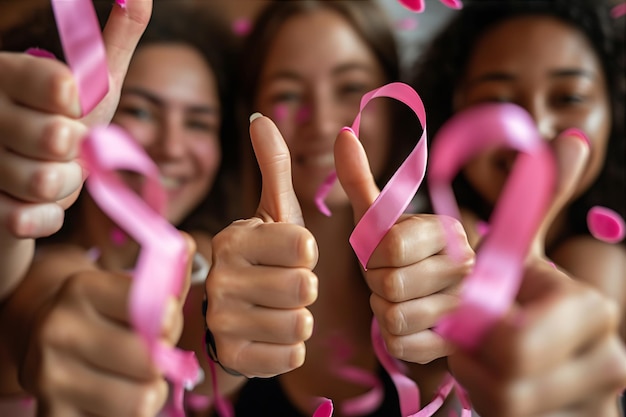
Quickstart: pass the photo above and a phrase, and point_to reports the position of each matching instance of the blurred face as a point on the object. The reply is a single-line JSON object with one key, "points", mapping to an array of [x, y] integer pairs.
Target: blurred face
{"points": [[170, 105], [550, 69], [316, 71]]}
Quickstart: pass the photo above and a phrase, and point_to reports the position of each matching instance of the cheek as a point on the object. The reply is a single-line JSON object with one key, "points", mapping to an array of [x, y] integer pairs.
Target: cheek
{"points": [[144, 134], [207, 154]]}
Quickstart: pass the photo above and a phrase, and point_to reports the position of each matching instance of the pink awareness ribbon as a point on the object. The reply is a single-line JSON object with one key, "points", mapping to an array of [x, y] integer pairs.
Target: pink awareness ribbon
{"points": [[376, 222], [491, 287], [160, 268], [84, 50]]}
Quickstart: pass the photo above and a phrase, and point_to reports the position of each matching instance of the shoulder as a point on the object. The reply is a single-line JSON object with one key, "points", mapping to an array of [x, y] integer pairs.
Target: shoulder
{"points": [[601, 264]]}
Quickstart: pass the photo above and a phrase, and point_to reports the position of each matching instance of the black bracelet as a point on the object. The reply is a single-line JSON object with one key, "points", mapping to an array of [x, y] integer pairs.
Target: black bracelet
{"points": [[211, 349]]}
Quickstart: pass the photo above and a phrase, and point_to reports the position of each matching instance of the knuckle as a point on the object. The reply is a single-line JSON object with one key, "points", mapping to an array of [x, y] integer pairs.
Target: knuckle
{"points": [[306, 248], [394, 320], [45, 183], [149, 399], [395, 347], [394, 251], [308, 288], [303, 328], [297, 356], [393, 288], [58, 331]]}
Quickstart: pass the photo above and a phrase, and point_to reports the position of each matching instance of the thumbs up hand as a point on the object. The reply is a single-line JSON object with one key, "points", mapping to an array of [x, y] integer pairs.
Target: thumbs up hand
{"points": [[261, 279], [40, 135], [412, 279]]}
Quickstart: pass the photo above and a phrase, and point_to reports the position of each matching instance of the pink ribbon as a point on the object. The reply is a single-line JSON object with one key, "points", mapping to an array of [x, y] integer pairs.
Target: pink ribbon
{"points": [[160, 269], [80, 36], [376, 222], [397, 194], [491, 287]]}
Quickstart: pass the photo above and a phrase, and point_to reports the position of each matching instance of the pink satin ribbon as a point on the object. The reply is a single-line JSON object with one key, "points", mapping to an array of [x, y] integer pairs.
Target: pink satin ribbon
{"points": [[492, 286], [79, 30], [376, 222], [160, 270], [161, 267]]}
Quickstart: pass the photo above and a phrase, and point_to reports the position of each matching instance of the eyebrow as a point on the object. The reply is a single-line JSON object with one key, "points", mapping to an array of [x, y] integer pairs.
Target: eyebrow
{"points": [[291, 75], [505, 76], [159, 102]]}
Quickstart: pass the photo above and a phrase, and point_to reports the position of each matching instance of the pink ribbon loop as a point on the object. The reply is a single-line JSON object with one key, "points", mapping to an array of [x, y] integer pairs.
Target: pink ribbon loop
{"points": [[160, 269], [79, 31], [491, 287], [397, 194]]}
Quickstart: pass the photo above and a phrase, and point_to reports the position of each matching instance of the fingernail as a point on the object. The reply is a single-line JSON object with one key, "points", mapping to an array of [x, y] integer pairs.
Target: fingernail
{"points": [[255, 116], [576, 133], [348, 129]]}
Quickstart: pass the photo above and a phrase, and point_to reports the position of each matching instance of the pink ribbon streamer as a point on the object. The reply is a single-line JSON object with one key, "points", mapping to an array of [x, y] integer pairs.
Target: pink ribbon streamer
{"points": [[491, 287], [160, 269], [84, 50], [376, 222]]}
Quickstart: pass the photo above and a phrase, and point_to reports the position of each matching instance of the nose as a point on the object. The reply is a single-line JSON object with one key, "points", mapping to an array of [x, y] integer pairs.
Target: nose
{"points": [[327, 116], [544, 119], [170, 142]]}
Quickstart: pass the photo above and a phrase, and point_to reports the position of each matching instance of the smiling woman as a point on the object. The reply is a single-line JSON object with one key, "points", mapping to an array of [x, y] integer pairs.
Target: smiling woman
{"points": [[175, 101]]}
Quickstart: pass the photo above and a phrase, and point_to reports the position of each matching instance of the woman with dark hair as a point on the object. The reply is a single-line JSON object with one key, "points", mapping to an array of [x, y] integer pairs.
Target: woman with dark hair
{"points": [[176, 102], [563, 62], [306, 66]]}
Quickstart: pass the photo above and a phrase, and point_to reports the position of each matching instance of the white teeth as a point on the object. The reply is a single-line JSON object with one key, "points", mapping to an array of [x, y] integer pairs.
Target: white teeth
{"points": [[169, 183]]}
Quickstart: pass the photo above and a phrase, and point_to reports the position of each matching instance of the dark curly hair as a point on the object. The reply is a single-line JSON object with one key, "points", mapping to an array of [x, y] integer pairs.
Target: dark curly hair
{"points": [[440, 68], [171, 23]]}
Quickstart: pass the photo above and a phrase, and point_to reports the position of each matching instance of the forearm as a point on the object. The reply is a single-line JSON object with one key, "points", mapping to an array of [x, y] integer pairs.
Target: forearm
{"points": [[19, 311], [15, 258]]}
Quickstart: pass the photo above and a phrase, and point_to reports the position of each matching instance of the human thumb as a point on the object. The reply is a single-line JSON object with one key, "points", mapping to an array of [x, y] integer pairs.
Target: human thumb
{"points": [[121, 34], [279, 202], [571, 150], [353, 172]]}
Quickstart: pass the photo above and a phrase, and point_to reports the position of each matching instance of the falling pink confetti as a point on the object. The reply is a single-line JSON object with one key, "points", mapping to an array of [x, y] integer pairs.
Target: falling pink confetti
{"points": [[281, 112], [118, 237], [242, 26], [618, 10], [303, 115], [418, 6], [605, 224], [482, 228]]}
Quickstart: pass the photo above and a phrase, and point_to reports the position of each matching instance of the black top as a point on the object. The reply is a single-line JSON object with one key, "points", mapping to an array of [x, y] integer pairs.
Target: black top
{"points": [[265, 397]]}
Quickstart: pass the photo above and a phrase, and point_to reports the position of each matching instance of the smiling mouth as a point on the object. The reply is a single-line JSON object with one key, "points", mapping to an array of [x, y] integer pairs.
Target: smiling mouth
{"points": [[170, 183]]}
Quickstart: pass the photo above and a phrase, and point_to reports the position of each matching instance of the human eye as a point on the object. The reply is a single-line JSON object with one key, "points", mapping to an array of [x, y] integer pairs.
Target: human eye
{"points": [[570, 99], [204, 126], [353, 88], [137, 112], [286, 97]]}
